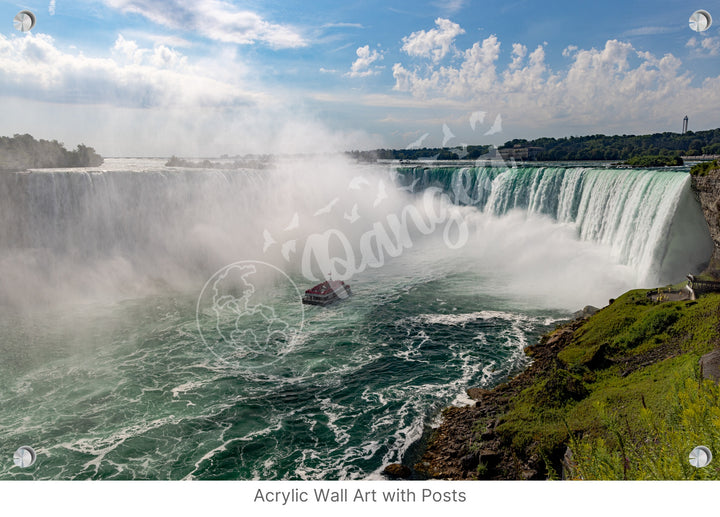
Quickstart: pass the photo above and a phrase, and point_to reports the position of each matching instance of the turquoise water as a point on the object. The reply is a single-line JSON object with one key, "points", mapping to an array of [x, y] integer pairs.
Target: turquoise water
{"points": [[129, 391], [123, 358]]}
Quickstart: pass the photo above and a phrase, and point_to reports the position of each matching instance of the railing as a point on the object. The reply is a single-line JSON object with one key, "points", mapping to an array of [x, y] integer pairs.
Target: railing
{"points": [[702, 286]]}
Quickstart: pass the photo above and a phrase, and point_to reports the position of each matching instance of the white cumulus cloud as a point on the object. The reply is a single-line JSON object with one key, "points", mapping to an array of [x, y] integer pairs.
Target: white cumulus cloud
{"points": [[569, 50], [362, 66], [33, 67], [707, 46], [434, 43], [610, 88], [476, 73]]}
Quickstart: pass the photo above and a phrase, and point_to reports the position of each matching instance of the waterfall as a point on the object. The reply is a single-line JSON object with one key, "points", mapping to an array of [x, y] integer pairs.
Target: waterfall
{"points": [[649, 218], [64, 232]]}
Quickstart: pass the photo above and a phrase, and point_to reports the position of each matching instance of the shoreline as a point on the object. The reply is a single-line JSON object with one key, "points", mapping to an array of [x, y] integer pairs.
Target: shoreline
{"points": [[449, 451], [475, 442], [578, 383]]}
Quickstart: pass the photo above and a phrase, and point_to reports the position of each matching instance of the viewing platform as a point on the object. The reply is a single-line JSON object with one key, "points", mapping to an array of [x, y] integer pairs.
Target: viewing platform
{"points": [[691, 291]]}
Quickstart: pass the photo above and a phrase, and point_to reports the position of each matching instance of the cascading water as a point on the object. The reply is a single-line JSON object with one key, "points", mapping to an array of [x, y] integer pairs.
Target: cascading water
{"points": [[648, 218], [104, 371]]}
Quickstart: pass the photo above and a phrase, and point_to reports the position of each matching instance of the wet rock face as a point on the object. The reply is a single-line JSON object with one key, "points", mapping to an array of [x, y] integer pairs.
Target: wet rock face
{"points": [[468, 443], [707, 189], [477, 393], [397, 471]]}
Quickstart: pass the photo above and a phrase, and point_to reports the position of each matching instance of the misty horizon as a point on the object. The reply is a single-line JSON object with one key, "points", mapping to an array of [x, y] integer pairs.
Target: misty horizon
{"points": [[211, 78]]}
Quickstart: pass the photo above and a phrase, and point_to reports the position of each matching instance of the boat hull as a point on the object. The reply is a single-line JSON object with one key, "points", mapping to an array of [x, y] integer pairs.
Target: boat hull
{"points": [[327, 299]]}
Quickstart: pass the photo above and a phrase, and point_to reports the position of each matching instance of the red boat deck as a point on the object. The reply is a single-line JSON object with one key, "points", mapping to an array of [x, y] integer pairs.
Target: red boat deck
{"points": [[327, 292]]}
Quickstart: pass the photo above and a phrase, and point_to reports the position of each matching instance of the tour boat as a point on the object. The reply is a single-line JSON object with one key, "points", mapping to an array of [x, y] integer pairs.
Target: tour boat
{"points": [[327, 292]]}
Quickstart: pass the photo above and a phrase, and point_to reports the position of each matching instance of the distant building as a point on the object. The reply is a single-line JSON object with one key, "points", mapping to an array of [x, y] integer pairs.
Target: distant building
{"points": [[685, 124]]}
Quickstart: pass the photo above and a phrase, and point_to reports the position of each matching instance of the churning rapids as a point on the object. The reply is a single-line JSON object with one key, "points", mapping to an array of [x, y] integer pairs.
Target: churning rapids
{"points": [[152, 329]]}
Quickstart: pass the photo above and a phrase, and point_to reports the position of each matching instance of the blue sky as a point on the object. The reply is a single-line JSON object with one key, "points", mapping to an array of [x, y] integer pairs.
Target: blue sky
{"points": [[206, 77]]}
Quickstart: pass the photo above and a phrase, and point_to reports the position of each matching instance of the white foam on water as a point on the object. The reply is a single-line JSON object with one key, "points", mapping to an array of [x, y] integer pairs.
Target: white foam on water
{"points": [[184, 388], [541, 239], [100, 447]]}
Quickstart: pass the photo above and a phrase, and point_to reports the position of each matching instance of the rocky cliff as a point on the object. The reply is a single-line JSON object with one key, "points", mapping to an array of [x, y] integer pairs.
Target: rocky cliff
{"points": [[611, 388], [707, 189], [608, 367], [470, 443]]}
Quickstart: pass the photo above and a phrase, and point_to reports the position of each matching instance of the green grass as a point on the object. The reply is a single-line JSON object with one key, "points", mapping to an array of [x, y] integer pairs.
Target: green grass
{"points": [[656, 444], [615, 390]]}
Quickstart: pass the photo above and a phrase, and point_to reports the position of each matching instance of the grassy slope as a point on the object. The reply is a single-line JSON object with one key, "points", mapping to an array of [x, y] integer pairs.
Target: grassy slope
{"points": [[617, 389]]}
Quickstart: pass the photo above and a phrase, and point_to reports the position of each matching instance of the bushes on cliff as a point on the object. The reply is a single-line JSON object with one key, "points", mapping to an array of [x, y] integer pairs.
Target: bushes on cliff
{"points": [[702, 169], [618, 393], [562, 387]]}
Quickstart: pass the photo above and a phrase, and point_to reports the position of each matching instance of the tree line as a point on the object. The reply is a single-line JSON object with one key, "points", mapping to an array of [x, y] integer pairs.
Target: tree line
{"points": [[470, 152], [260, 162], [623, 147], [21, 152], [573, 148]]}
